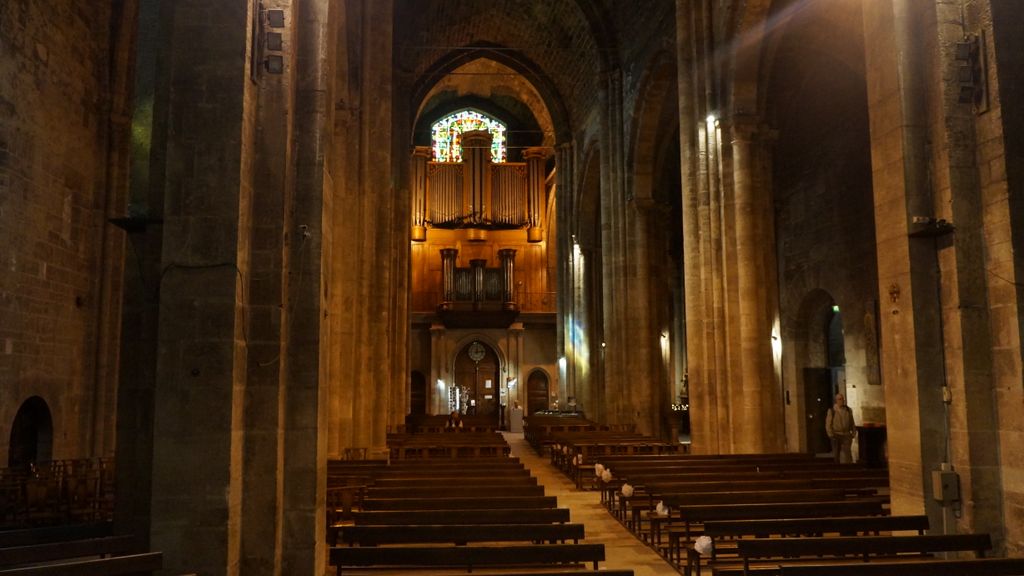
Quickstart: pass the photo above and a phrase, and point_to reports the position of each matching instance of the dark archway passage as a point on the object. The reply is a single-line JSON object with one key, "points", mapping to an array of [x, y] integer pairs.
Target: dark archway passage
{"points": [[31, 434]]}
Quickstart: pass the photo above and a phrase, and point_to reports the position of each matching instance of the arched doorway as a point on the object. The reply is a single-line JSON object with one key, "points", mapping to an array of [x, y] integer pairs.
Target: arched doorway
{"points": [[536, 392], [31, 434], [824, 366], [476, 377]]}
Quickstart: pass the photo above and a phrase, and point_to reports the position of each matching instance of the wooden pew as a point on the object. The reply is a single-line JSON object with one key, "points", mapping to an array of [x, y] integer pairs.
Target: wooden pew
{"points": [[972, 567], [691, 515], [44, 534], [459, 533], [53, 551], [495, 482], [487, 516], [458, 503], [468, 557], [475, 490], [133, 564], [563, 573], [678, 499], [863, 547], [725, 533], [450, 474]]}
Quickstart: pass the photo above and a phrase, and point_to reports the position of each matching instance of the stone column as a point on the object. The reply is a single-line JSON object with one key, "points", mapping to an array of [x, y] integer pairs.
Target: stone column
{"points": [[614, 249], [566, 224], [755, 432], [273, 189], [368, 296], [646, 381], [307, 343], [912, 365], [698, 314], [198, 428], [140, 312]]}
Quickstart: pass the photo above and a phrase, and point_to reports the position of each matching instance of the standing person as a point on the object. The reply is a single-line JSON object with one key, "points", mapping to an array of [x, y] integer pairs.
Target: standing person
{"points": [[841, 430]]}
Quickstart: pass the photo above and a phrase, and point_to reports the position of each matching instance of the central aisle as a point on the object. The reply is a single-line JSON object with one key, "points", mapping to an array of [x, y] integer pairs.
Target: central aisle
{"points": [[622, 549]]}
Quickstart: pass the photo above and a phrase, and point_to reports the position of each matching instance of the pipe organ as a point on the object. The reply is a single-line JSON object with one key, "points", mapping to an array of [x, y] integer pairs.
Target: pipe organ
{"points": [[479, 284], [477, 193]]}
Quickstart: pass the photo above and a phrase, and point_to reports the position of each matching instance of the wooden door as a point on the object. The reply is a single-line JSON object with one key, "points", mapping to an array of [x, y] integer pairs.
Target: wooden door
{"points": [[536, 392], [817, 401], [476, 375]]}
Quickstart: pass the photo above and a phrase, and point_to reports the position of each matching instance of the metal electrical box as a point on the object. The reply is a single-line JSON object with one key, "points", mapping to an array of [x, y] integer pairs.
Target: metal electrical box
{"points": [[945, 486]]}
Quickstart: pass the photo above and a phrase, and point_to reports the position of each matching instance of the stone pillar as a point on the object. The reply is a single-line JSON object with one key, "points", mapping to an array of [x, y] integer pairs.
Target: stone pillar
{"points": [[140, 312], [201, 373], [273, 189], [614, 249], [973, 416], [306, 348], [755, 431], [536, 201], [912, 365], [698, 313], [646, 380], [564, 161], [368, 295]]}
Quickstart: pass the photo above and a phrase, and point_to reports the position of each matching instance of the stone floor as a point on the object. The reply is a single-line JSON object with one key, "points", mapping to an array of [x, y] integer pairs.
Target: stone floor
{"points": [[622, 549]]}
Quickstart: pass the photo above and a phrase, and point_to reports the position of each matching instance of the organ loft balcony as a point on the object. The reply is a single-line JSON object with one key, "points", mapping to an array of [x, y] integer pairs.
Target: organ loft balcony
{"points": [[480, 237]]}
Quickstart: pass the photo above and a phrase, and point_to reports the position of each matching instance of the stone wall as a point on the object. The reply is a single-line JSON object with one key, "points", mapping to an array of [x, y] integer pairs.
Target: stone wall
{"points": [[54, 132], [817, 102]]}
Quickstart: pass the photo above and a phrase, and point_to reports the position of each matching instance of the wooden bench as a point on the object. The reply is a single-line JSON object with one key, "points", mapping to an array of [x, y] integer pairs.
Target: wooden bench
{"points": [[459, 533], [488, 516], [564, 573], [863, 547], [146, 563], [44, 534], [676, 500], [468, 557], [420, 472], [53, 551], [724, 533], [457, 503], [691, 515], [475, 490], [973, 567], [493, 481]]}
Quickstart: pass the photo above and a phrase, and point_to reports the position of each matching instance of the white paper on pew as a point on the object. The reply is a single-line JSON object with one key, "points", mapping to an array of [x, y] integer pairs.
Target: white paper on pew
{"points": [[661, 509], [703, 545]]}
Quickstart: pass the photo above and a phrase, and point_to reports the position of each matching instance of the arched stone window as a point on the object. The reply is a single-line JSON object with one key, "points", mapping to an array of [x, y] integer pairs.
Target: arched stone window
{"points": [[447, 138]]}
